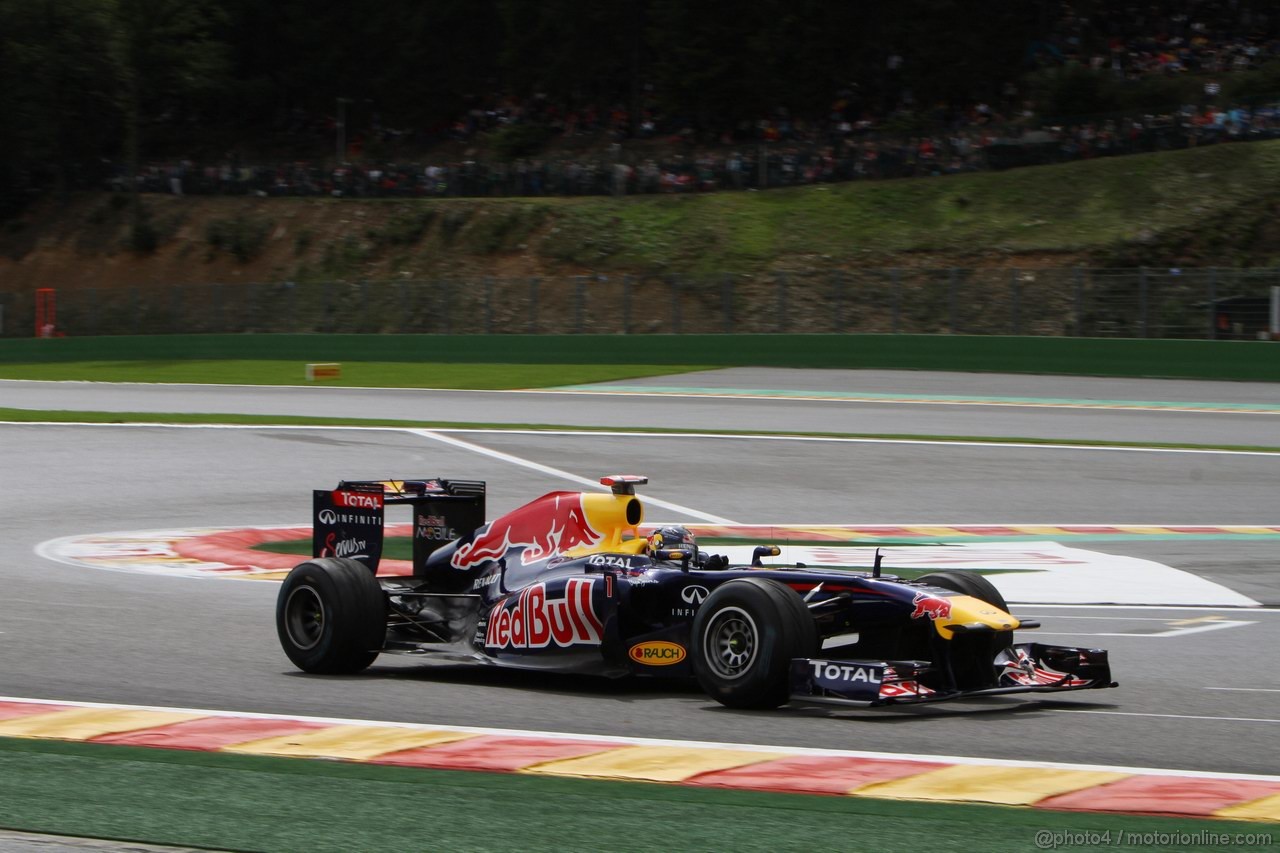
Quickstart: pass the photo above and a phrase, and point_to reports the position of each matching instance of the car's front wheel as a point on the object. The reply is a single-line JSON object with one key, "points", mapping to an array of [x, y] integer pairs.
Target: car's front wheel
{"points": [[331, 616], [972, 657], [744, 637]]}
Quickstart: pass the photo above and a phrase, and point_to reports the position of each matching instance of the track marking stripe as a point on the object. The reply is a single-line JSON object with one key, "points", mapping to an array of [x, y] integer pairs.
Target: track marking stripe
{"points": [[651, 763], [564, 475], [1024, 445], [1190, 797], [1267, 808], [1162, 716], [352, 742], [86, 723], [772, 750], [836, 439], [1010, 786], [664, 391], [605, 390]]}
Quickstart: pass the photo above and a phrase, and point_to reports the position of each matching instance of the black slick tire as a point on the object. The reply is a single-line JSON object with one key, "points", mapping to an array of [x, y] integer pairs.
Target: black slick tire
{"points": [[744, 637], [331, 616], [967, 583]]}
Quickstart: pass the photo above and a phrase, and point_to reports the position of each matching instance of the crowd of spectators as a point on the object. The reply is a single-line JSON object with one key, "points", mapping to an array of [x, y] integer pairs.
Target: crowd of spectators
{"points": [[1132, 40], [644, 151], [793, 161]]}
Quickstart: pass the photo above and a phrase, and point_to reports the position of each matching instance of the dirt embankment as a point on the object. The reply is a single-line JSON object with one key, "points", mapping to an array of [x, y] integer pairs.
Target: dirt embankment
{"points": [[88, 241], [1200, 208]]}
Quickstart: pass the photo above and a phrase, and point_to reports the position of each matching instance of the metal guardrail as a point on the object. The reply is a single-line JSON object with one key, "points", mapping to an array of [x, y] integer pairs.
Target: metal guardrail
{"points": [[1117, 303]]}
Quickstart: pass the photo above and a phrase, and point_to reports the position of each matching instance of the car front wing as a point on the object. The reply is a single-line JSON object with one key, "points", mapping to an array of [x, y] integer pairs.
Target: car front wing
{"points": [[1021, 668]]}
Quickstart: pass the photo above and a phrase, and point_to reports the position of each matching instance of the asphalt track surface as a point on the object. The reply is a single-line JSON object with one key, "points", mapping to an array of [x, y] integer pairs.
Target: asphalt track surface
{"points": [[1198, 701], [905, 417]]}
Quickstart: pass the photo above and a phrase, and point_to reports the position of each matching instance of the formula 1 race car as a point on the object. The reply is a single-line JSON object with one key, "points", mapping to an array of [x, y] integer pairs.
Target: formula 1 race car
{"points": [[568, 583]]}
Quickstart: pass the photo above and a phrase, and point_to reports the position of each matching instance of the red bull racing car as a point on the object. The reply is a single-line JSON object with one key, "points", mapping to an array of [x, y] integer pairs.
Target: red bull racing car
{"points": [[570, 582]]}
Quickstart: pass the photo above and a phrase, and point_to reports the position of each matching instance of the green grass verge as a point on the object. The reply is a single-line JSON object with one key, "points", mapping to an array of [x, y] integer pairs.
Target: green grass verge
{"points": [[366, 374], [1198, 359], [1073, 207], [11, 415], [251, 803]]}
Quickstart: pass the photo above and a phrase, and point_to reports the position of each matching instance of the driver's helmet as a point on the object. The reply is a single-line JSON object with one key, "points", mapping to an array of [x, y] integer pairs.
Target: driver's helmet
{"points": [[674, 537]]}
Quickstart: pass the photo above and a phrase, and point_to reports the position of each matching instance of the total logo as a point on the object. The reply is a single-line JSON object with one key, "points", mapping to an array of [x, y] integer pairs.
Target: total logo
{"points": [[657, 653], [609, 560], [844, 672], [532, 621], [357, 500]]}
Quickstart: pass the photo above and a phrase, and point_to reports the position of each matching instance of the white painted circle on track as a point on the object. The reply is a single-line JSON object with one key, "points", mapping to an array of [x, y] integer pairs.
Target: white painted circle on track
{"points": [[145, 552], [1041, 572]]}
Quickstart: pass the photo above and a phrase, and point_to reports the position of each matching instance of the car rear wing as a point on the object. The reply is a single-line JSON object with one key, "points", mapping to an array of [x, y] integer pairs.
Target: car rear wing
{"points": [[348, 521]]}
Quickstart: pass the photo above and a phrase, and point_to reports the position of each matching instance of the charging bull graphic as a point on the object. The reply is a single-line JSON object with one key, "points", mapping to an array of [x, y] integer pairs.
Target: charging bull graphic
{"points": [[548, 526], [931, 606]]}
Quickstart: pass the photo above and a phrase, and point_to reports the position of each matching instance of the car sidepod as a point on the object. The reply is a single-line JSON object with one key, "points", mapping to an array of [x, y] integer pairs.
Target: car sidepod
{"points": [[565, 623]]}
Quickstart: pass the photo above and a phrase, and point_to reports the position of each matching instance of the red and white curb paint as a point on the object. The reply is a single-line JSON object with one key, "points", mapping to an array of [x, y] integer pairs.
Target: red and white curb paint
{"points": [[1031, 572], [1045, 785]]}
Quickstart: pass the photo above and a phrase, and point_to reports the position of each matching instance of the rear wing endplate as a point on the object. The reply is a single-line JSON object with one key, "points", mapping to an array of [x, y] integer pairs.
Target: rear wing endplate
{"points": [[348, 521]]}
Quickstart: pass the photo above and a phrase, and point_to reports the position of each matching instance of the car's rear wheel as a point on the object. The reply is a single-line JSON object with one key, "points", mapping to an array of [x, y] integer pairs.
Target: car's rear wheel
{"points": [[331, 616], [744, 637]]}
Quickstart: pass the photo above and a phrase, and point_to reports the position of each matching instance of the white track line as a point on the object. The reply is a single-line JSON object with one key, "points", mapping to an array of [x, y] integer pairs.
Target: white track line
{"points": [[1161, 716], [1248, 689], [641, 741], [854, 440], [564, 475], [819, 397], [811, 396], [690, 435]]}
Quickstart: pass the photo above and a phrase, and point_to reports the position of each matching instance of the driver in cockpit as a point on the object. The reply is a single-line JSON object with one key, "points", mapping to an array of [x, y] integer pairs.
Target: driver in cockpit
{"points": [[677, 545]]}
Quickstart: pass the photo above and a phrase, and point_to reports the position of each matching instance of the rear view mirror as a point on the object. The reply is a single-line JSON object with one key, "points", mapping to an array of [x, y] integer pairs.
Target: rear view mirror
{"points": [[764, 551]]}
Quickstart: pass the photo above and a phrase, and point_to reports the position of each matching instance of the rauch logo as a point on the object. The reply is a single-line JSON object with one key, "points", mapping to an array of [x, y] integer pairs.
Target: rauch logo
{"points": [[657, 653]]}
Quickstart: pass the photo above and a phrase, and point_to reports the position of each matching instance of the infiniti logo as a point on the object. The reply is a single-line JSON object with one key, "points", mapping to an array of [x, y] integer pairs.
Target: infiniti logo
{"points": [[328, 516], [693, 594]]}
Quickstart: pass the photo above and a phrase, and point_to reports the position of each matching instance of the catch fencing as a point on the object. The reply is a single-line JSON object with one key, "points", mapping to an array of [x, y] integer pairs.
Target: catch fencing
{"points": [[1107, 303]]}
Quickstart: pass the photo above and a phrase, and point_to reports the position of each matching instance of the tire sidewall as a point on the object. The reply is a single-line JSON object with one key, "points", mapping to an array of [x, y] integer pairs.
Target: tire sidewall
{"points": [[779, 636], [353, 608]]}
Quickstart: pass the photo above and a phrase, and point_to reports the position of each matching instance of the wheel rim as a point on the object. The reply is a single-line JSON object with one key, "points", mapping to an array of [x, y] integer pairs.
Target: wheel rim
{"points": [[730, 643], [304, 617]]}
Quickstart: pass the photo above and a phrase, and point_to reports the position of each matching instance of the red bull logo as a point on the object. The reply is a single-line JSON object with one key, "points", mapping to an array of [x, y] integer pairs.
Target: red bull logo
{"points": [[931, 606], [535, 622], [550, 525]]}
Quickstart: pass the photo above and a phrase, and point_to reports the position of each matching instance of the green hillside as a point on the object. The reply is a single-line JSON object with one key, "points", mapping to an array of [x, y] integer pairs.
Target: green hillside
{"points": [[1213, 206]]}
